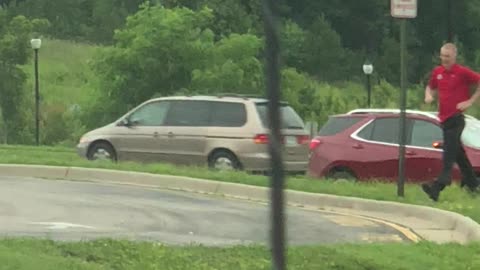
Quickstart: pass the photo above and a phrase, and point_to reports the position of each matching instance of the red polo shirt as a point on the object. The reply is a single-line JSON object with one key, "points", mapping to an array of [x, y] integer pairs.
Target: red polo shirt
{"points": [[453, 87]]}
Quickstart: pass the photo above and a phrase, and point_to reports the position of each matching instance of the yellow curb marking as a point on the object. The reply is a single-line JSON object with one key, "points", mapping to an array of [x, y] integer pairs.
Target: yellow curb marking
{"points": [[408, 233]]}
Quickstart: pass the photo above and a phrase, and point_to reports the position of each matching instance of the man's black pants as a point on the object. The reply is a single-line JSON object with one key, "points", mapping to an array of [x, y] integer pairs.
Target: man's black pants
{"points": [[453, 151]]}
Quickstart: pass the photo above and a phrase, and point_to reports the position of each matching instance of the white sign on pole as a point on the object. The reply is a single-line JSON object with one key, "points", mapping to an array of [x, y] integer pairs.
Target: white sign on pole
{"points": [[405, 9]]}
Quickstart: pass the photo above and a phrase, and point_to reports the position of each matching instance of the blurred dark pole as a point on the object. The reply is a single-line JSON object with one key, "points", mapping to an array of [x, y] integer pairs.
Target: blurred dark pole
{"points": [[275, 147], [403, 105], [449, 21]]}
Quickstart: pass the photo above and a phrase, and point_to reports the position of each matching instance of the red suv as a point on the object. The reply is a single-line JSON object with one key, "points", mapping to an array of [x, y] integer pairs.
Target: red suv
{"points": [[363, 145]]}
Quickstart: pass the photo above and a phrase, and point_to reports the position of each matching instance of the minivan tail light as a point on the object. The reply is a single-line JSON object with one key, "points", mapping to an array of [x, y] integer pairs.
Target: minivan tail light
{"points": [[261, 139], [303, 139], [314, 144]]}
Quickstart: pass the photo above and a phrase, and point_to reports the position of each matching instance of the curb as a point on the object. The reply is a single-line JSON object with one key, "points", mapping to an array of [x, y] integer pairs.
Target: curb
{"points": [[462, 225]]}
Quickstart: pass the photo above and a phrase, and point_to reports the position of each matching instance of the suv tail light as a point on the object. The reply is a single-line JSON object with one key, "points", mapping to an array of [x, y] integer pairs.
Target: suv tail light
{"points": [[261, 139], [303, 139], [314, 144]]}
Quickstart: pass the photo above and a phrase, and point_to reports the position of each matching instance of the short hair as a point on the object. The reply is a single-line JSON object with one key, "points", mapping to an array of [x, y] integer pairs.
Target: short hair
{"points": [[450, 46]]}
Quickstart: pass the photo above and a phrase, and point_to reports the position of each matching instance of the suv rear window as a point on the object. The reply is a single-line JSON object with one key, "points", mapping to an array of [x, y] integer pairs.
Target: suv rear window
{"points": [[336, 125], [290, 119]]}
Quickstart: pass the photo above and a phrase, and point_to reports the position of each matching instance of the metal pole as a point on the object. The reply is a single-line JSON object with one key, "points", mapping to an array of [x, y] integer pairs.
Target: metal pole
{"points": [[275, 146], [403, 104], [37, 102], [369, 89], [449, 21]]}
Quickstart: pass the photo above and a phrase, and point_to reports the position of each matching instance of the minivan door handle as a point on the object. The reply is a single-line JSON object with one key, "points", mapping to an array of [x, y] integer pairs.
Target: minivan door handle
{"points": [[357, 146], [156, 134], [170, 134]]}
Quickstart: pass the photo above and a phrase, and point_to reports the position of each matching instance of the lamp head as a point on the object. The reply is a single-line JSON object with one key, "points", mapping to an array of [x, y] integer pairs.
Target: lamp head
{"points": [[36, 43], [367, 68]]}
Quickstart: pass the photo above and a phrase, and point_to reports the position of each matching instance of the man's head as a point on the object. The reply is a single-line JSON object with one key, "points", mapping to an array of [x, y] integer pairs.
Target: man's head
{"points": [[448, 55]]}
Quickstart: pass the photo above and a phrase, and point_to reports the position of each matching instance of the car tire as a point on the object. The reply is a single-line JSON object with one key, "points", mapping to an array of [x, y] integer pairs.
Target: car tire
{"points": [[342, 176], [223, 161], [101, 151]]}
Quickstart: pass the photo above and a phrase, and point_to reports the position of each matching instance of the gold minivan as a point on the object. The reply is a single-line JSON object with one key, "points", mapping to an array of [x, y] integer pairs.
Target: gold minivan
{"points": [[223, 132]]}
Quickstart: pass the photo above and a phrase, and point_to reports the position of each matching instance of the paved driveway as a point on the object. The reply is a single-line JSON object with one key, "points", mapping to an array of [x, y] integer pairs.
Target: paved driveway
{"points": [[64, 210]]}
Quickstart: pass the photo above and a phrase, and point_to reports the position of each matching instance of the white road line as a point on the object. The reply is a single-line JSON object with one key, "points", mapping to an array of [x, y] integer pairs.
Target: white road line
{"points": [[61, 225]]}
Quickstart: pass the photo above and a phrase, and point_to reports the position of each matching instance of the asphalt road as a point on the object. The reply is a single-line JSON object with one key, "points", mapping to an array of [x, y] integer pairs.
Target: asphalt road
{"points": [[63, 210]]}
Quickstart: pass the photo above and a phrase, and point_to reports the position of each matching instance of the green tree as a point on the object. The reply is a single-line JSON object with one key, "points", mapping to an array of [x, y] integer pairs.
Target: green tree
{"points": [[90, 20], [15, 50], [163, 51], [155, 53], [233, 68], [326, 59], [230, 16], [293, 39], [68, 18]]}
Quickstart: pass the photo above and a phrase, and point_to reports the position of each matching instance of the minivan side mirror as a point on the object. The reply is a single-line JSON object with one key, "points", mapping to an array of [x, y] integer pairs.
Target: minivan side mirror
{"points": [[437, 144], [123, 123], [126, 122]]}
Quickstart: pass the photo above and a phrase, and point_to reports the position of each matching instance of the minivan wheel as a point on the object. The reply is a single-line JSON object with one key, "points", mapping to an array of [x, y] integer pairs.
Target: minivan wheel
{"points": [[101, 151], [223, 161]]}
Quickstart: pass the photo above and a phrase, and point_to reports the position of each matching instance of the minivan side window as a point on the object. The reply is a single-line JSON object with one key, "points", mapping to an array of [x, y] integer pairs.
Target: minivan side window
{"points": [[227, 114], [425, 133], [150, 114], [188, 113]]}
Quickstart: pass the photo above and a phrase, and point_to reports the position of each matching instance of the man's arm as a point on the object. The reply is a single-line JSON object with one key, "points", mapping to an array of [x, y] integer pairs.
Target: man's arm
{"points": [[476, 95], [429, 90], [472, 78], [430, 95], [467, 104]]}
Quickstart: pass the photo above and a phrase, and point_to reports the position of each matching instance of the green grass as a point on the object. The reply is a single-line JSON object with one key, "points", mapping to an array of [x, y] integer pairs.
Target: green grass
{"points": [[65, 75], [452, 199], [23, 254]]}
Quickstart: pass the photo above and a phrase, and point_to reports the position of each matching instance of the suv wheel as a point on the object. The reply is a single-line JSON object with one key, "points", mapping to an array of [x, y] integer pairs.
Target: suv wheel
{"points": [[223, 161], [342, 176], [101, 151]]}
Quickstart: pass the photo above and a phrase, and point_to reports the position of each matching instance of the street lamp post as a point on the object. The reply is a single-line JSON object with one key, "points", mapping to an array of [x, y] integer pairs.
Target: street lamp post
{"points": [[36, 44], [368, 70]]}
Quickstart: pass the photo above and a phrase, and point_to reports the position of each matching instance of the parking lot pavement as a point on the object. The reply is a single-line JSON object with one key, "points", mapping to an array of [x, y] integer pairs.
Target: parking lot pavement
{"points": [[63, 210]]}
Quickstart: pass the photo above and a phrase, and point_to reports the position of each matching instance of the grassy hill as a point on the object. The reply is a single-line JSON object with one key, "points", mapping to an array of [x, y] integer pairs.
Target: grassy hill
{"points": [[65, 75], [66, 82]]}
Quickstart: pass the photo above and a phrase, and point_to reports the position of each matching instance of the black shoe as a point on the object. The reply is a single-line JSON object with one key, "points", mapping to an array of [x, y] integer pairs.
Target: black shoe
{"points": [[471, 187], [431, 191], [473, 190]]}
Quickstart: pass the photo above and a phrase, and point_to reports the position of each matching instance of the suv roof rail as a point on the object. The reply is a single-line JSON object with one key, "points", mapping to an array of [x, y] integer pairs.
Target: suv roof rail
{"points": [[360, 111], [244, 96], [424, 113]]}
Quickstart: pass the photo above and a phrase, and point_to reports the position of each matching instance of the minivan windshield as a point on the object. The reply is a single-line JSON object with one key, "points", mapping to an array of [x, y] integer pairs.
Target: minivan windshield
{"points": [[471, 133], [290, 119]]}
